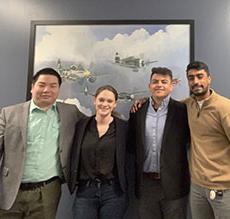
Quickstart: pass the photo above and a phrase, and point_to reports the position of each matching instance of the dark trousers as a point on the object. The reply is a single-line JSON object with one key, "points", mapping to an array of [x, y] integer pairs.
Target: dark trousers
{"points": [[99, 200], [38, 203], [153, 205]]}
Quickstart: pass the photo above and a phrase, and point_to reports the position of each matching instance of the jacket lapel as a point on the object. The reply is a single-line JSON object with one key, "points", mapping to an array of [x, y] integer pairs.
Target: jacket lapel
{"points": [[169, 120], [141, 121], [23, 120], [61, 125], [119, 139], [80, 131]]}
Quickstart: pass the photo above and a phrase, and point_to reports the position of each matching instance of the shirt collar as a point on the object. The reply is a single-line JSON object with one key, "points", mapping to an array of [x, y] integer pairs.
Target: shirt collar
{"points": [[33, 106], [164, 103]]}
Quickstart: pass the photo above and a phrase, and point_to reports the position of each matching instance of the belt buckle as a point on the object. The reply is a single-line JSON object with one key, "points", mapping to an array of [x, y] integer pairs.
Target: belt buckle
{"points": [[98, 183], [152, 175], [156, 175]]}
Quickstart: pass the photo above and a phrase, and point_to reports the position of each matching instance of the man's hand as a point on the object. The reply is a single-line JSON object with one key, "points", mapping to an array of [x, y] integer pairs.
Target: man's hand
{"points": [[137, 104]]}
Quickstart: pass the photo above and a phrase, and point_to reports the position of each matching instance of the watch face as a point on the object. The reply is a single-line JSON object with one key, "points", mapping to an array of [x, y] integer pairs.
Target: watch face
{"points": [[212, 194]]}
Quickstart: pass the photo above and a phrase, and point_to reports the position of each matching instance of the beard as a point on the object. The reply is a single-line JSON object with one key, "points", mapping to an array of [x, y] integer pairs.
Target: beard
{"points": [[201, 91]]}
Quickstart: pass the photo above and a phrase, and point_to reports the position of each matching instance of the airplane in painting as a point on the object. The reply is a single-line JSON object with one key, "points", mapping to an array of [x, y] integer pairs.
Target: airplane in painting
{"points": [[79, 73], [129, 96], [132, 62], [76, 72]]}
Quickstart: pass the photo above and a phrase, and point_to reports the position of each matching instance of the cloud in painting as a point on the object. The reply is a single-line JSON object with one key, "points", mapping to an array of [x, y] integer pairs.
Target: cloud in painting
{"points": [[65, 42], [79, 44]]}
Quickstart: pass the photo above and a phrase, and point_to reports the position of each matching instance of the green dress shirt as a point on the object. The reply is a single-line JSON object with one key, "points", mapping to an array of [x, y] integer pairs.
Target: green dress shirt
{"points": [[42, 158]]}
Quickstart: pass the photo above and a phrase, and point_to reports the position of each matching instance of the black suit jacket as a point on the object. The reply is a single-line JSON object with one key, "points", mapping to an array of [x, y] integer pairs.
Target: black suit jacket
{"points": [[174, 170], [120, 156]]}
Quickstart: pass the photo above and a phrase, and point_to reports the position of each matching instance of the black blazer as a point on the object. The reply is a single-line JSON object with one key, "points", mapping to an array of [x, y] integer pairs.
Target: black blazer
{"points": [[174, 169], [120, 159]]}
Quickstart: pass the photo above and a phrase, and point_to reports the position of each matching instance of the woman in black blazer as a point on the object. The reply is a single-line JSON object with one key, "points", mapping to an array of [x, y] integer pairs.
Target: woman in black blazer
{"points": [[97, 168]]}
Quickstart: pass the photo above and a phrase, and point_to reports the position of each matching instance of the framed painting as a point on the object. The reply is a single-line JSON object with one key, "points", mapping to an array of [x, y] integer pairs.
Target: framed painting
{"points": [[92, 53]]}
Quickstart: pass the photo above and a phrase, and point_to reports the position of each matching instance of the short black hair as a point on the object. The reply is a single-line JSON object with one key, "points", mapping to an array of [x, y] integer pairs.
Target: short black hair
{"points": [[47, 71], [161, 71], [109, 88], [198, 65]]}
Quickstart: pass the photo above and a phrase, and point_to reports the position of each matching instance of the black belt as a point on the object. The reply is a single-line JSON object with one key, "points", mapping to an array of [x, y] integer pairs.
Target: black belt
{"points": [[152, 175], [35, 185]]}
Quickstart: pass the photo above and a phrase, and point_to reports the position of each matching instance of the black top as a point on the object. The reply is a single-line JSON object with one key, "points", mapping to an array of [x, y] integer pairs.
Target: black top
{"points": [[120, 153], [97, 153]]}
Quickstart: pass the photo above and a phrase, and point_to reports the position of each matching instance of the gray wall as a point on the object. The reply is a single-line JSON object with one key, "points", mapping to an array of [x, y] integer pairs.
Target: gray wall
{"points": [[212, 34]]}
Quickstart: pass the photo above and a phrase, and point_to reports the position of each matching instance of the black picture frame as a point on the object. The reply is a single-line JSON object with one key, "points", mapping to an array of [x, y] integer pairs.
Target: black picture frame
{"points": [[168, 43]]}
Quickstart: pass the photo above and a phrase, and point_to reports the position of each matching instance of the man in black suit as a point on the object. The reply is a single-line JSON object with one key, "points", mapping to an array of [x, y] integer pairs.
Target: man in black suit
{"points": [[159, 135]]}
